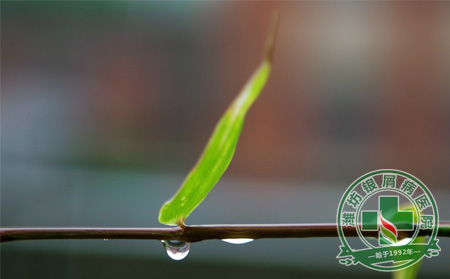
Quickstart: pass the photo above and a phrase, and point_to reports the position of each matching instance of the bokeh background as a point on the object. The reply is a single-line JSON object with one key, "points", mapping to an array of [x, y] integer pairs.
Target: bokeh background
{"points": [[105, 107]]}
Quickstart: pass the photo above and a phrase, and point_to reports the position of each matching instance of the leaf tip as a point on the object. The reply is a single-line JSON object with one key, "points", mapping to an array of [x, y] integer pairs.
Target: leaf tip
{"points": [[163, 218], [270, 40]]}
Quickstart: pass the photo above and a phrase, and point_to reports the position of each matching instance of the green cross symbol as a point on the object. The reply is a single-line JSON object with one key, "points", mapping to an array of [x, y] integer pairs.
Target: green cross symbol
{"points": [[403, 220]]}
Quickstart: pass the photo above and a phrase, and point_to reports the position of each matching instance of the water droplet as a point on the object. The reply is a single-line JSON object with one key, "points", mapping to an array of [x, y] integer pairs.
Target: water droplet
{"points": [[105, 239], [237, 240], [402, 242], [176, 249]]}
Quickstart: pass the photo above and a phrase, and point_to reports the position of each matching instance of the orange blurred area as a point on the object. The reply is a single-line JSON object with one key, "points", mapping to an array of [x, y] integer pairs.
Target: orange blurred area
{"points": [[354, 87]]}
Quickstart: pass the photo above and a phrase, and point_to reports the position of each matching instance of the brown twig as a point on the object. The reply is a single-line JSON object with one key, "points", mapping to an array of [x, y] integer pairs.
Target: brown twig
{"points": [[187, 233]]}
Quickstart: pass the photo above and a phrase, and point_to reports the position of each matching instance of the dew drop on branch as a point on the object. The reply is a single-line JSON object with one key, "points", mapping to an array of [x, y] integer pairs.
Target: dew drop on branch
{"points": [[176, 249], [237, 240], [402, 242]]}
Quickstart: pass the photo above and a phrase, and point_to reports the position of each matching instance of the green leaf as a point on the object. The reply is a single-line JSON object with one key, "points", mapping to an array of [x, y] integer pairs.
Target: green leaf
{"points": [[221, 146]]}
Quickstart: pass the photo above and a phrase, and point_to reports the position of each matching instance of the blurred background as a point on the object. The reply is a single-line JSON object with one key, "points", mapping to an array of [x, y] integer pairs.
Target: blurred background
{"points": [[106, 106]]}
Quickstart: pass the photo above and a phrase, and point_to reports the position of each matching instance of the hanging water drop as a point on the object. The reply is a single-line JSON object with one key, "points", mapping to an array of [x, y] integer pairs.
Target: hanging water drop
{"points": [[105, 239], [176, 249], [237, 240], [402, 242]]}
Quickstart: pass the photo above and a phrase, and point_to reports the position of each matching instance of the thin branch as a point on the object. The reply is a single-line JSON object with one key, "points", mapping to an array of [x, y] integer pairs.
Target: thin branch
{"points": [[188, 233]]}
